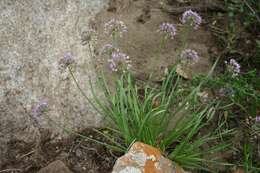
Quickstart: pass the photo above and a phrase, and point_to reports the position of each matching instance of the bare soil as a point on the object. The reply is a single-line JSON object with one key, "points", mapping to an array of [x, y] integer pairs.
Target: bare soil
{"points": [[78, 155]]}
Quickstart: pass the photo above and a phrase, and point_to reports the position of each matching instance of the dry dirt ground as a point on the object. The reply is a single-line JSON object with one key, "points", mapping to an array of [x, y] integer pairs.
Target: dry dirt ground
{"points": [[142, 18], [79, 156]]}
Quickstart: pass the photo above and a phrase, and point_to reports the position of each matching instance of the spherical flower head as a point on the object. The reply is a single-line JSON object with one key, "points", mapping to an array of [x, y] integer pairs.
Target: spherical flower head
{"points": [[191, 18], [233, 67], [108, 49], [39, 109], [168, 30], [119, 62], [189, 56], [89, 36], [115, 27], [66, 61]]}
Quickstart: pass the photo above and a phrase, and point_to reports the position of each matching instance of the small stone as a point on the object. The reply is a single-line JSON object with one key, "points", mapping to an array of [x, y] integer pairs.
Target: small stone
{"points": [[143, 158], [183, 72], [55, 167], [239, 171], [78, 153]]}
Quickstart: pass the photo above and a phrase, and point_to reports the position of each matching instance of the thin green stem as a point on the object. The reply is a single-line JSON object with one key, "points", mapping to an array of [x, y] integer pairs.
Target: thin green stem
{"points": [[82, 92], [71, 131]]}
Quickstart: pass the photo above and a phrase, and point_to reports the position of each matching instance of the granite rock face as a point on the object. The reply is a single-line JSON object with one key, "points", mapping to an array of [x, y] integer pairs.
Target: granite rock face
{"points": [[142, 158], [34, 35]]}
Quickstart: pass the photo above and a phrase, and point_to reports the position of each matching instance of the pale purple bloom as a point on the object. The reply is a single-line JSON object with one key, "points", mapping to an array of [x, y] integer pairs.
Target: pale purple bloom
{"points": [[66, 61], [189, 56], [39, 109], [168, 30], [233, 67], [119, 62], [108, 49], [114, 27], [257, 119], [191, 18]]}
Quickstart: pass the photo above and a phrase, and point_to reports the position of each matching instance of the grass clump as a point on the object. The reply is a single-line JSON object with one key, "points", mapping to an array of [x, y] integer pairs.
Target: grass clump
{"points": [[146, 114]]}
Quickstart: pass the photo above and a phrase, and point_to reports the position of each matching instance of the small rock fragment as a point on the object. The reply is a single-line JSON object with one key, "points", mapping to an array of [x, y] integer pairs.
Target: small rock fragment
{"points": [[55, 167], [143, 158]]}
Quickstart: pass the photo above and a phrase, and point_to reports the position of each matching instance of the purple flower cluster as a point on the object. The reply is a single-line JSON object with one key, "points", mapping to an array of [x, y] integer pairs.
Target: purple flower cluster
{"points": [[168, 30], [108, 49], [39, 109], [66, 61], [119, 62], [191, 18], [114, 27], [233, 67], [257, 119], [189, 56]]}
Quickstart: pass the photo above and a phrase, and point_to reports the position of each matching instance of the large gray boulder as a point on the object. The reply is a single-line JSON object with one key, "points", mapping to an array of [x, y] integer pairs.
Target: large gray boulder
{"points": [[34, 35]]}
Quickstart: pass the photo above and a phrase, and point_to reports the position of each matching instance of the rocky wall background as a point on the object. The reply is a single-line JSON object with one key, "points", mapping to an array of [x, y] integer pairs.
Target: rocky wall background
{"points": [[34, 35]]}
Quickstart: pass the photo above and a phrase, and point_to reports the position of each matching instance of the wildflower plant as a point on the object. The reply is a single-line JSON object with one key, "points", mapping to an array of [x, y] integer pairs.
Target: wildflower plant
{"points": [[108, 49], [89, 38], [119, 62], [135, 117], [189, 56], [168, 30], [237, 91], [66, 61], [115, 28], [191, 18], [233, 67], [146, 117]]}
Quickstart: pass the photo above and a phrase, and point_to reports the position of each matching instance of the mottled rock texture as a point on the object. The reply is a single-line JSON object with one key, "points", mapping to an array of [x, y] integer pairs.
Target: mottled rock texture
{"points": [[142, 158], [34, 35]]}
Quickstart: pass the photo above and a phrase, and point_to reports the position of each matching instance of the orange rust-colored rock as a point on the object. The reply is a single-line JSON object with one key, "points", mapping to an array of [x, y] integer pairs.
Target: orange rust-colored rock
{"points": [[154, 153], [143, 158], [179, 169]]}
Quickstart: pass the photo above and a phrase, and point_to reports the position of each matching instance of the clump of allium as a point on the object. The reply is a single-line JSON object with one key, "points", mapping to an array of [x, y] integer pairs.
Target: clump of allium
{"points": [[233, 67], [168, 30], [191, 18], [115, 27], [119, 62], [108, 49], [39, 109], [189, 56], [66, 61], [89, 36]]}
